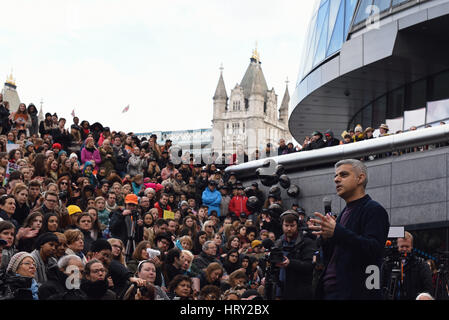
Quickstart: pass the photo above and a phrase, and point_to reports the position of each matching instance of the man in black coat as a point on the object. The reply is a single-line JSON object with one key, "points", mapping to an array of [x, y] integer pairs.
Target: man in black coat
{"points": [[61, 135], [296, 271], [417, 275], [330, 139], [57, 287], [121, 156], [354, 241], [316, 142], [205, 258], [125, 225]]}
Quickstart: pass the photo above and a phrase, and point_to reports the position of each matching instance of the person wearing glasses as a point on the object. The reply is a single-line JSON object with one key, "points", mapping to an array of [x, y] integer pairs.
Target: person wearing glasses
{"points": [[117, 250], [18, 282], [51, 205], [94, 283]]}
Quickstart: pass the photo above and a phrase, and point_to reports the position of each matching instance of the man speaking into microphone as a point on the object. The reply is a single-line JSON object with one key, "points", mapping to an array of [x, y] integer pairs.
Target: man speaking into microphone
{"points": [[353, 241]]}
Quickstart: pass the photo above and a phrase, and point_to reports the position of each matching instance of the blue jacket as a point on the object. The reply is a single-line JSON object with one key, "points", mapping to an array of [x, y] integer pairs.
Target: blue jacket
{"points": [[360, 244], [212, 200]]}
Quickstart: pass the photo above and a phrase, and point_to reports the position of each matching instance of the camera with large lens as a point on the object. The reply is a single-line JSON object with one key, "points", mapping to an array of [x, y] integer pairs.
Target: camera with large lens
{"points": [[63, 195], [275, 255], [143, 291], [135, 213]]}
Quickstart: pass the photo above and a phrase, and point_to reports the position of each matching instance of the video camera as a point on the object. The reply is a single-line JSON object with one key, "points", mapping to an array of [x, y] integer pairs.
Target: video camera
{"points": [[442, 260], [392, 262], [274, 255], [392, 254]]}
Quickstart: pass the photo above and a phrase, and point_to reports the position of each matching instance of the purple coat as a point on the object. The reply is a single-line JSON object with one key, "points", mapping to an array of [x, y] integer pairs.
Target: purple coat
{"points": [[86, 155]]}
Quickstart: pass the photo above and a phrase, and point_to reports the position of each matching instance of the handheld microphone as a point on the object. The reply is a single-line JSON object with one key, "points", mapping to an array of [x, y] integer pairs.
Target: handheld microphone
{"points": [[327, 202]]}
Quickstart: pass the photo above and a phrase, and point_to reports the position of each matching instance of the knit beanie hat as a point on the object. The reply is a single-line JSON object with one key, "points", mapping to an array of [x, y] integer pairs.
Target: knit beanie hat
{"points": [[44, 238], [100, 244], [16, 260]]}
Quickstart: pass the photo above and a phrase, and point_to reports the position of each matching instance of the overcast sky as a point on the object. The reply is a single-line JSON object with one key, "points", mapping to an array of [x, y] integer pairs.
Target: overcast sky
{"points": [[160, 57]]}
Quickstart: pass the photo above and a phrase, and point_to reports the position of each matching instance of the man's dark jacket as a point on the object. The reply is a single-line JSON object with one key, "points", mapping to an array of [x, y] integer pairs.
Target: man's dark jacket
{"points": [[121, 156], [64, 138], [360, 244], [299, 272], [120, 227], [318, 144], [56, 289], [202, 261], [417, 278]]}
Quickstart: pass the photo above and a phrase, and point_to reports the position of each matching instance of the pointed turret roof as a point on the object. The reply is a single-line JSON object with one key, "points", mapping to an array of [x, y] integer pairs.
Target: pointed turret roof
{"points": [[41, 112], [285, 100], [220, 92], [253, 81]]}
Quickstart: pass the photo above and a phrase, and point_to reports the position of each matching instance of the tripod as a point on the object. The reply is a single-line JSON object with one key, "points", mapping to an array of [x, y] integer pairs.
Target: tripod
{"points": [[393, 285], [131, 242], [271, 280], [442, 284]]}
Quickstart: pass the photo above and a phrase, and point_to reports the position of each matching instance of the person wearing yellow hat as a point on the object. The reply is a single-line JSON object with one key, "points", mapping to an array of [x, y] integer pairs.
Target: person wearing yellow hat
{"points": [[257, 249], [74, 212]]}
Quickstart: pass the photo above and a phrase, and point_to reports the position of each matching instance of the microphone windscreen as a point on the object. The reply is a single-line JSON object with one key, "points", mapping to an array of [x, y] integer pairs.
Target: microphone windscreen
{"points": [[267, 243]]}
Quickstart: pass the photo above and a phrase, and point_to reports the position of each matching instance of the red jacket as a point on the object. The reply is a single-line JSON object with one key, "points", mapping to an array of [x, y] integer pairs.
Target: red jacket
{"points": [[161, 210], [238, 205]]}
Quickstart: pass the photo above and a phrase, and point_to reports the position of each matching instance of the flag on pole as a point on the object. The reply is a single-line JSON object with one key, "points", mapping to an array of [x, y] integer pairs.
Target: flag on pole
{"points": [[73, 113], [126, 109]]}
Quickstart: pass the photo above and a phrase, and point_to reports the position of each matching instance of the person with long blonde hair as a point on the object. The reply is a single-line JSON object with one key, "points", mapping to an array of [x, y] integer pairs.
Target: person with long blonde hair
{"points": [[117, 250]]}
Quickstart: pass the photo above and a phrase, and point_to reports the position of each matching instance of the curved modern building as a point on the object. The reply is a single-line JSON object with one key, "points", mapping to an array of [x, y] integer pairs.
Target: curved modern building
{"points": [[370, 62]]}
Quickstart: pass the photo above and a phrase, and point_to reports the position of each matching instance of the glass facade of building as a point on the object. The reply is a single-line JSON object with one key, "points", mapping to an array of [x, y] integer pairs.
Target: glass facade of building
{"points": [[328, 30], [333, 20], [420, 103]]}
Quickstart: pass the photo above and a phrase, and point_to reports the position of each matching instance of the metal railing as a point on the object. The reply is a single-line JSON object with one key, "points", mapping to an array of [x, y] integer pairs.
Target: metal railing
{"points": [[356, 150]]}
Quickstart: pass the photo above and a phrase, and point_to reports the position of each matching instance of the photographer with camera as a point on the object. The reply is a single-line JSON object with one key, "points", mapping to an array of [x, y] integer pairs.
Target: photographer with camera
{"points": [[414, 275], [127, 225], [296, 268]]}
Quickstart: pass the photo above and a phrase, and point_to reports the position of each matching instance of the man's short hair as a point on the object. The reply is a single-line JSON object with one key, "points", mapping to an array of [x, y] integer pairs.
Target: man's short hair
{"points": [[407, 236], [161, 222], [425, 296], [358, 166], [206, 245], [100, 244], [63, 263], [50, 193], [35, 183], [171, 255]]}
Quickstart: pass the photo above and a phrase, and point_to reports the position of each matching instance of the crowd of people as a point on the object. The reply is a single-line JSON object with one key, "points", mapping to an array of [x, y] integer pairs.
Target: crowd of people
{"points": [[318, 140], [116, 217], [89, 213]]}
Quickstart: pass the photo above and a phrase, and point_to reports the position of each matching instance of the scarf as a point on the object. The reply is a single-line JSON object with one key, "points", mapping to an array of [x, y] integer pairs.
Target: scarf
{"points": [[95, 290], [41, 267]]}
